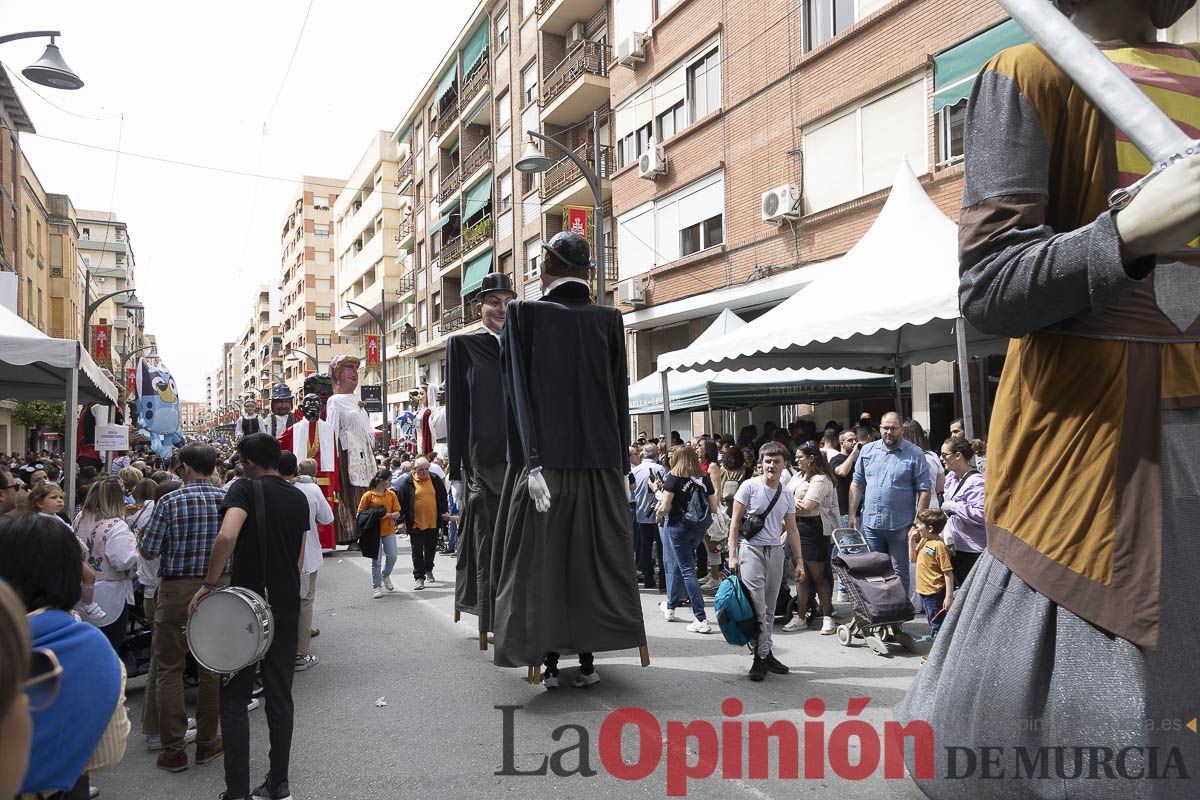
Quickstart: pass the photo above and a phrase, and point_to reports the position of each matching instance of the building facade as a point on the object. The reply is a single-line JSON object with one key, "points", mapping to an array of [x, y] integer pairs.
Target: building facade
{"points": [[106, 250]]}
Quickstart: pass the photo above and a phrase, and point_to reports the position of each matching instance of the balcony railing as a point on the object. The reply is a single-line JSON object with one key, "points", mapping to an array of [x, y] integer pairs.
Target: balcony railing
{"points": [[447, 116], [450, 183], [406, 229], [478, 233], [477, 79], [479, 156], [542, 5], [452, 319], [450, 251], [406, 338], [472, 313], [611, 272], [408, 282], [404, 172], [587, 57], [56, 272], [565, 172]]}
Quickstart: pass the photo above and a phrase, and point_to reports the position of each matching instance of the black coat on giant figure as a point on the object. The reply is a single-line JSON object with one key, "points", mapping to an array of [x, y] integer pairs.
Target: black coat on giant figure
{"points": [[563, 576], [475, 433]]}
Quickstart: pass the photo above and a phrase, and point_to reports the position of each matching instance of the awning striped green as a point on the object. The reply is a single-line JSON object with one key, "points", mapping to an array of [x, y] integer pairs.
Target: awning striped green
{"points": [[404, 136], [474, 272], [478, 196], [474, 48], [954, 70], [447, 212], [446, 82]]}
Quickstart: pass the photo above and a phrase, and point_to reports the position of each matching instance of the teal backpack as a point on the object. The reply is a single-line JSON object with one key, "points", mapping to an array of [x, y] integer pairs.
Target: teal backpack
{"points": [[736, 614]]}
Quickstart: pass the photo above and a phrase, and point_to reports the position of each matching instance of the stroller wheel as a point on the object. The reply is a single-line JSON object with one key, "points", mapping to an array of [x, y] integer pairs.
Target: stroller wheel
{"points": [[843, 635]]}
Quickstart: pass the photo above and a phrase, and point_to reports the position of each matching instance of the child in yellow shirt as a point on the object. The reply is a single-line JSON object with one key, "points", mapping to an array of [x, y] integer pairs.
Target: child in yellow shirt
{"points": [[381, 494], [935, 574]]}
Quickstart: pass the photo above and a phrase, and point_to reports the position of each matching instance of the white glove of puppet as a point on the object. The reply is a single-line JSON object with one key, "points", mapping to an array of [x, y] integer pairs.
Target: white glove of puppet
{"points": [[457, 488], [539, 492]]}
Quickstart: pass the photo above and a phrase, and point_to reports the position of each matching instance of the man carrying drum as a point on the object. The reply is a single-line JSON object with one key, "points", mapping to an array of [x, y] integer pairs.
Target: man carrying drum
{"points": [[263, 525]]}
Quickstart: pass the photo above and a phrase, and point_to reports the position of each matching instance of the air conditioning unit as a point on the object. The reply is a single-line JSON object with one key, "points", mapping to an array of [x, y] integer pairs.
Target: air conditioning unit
{"points": [[632, 49], [575, 33], [631, 293], [781, 203], [652, 163]]}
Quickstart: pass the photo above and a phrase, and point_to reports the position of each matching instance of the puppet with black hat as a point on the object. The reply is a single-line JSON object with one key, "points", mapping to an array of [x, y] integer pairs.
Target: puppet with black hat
{"points": [[281, 417], [562, 566], [476, 444]]}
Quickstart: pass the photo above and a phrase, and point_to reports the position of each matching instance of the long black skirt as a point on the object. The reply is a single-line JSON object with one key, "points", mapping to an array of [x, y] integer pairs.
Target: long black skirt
{"points": [[564, 581], [471, 593]]}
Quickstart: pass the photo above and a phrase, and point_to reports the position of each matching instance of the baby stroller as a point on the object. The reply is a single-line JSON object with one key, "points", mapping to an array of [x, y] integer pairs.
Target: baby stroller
{"points": [[876, 595]]}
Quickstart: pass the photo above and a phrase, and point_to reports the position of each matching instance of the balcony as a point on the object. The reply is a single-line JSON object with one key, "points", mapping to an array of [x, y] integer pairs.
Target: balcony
{"points": [[452, 320], [477, 80], [450, 251], [611, 273], [404, 234], [406, 286], [477, 234], [447, 116], [472, 312], [577, 85], [449, 186], [404, 173], [480, 157], [556, 16], [566, 178]]}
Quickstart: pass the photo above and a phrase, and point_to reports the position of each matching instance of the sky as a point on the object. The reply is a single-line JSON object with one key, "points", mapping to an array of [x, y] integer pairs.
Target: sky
{"points": [[209, 84]]}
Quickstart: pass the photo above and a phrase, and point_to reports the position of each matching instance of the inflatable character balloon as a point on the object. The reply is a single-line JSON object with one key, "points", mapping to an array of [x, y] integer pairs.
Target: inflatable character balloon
{"points": [[158, 408]]}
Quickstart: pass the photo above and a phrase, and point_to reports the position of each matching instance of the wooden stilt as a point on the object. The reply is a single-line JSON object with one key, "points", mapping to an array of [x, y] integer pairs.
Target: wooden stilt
{"points": [[483, 640], [456, 615], [534, 674], [644, 650]]}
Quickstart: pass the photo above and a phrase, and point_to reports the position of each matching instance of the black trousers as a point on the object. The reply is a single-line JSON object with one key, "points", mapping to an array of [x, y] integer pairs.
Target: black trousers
{"points": [[962, 563], [650, 554], [277, 667], [424, 548]]}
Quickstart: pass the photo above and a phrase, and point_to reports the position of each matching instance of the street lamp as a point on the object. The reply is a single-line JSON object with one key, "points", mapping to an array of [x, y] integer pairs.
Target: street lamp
{"points": [[534, 160], [378, 318], [49, 70], [294, 353], [130, 304]]}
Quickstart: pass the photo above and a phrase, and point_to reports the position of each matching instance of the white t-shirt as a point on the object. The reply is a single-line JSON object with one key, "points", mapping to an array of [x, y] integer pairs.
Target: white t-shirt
{"points": [[936, 470], [755, 497], [319, 513]]}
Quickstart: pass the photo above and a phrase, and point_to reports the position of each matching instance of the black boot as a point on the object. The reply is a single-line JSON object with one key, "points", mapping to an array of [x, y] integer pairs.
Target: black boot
{"points": [[758, 670], [773, 664]]}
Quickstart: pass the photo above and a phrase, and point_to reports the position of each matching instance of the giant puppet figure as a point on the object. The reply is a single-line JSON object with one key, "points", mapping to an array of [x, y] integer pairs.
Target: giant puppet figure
{"points": [[313, 437], [476, 444], [158, 408], [355, 440], [1077, 627], [437, 423], [562, 566], [425, 439], [282, 416]]}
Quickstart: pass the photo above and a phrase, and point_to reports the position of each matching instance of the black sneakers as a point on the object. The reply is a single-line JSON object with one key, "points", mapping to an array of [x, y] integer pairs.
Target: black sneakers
{"points": [[758, 670], [775, 665], [280, 792]]}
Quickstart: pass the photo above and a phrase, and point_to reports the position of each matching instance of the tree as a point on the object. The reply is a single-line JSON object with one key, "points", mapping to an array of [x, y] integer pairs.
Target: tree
{"points": [[38, 414]]}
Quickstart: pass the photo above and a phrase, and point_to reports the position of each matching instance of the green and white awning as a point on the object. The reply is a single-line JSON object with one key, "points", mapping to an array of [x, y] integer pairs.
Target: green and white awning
{"points": [[954, 70], [474, 48], [474, 272], [478, 196]]}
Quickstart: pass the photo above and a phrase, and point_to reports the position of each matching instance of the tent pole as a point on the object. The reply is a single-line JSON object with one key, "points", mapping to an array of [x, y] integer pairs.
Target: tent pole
{"points": [[666, 419], [964, 376], [711, 431], [896, 377], [69, 428]]}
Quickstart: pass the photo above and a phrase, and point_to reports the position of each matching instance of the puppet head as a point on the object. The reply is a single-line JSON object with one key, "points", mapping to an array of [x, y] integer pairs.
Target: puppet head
{"points": [[567, 255], [320, 385], [344, 374], [250, 407], [311, 405], [158, 399], [1163, 13], [281, 399]]}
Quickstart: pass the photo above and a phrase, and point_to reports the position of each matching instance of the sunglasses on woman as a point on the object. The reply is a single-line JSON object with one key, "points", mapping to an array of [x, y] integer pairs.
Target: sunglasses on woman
{"points": [[45, 673]]}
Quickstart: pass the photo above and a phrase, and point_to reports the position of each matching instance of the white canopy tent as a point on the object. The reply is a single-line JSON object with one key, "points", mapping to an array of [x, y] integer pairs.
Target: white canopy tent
{"points": [[891, 300], [34, 366]]}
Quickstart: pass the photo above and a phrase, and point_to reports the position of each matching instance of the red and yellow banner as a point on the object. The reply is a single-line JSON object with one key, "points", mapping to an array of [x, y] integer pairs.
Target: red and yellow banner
{"points": [[130, 380], [102, 344], [578, 219], [372, 351]]}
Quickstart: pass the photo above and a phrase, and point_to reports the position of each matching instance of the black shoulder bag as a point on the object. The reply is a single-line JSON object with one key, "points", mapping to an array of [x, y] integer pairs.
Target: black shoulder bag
{"points": [[752, 524]]}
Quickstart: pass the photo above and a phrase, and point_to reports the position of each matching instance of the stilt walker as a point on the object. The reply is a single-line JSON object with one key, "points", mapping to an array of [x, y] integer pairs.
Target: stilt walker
{"points": [[477, 446], [1076, 629], [562, 563], [355, 437], [313, 437]]}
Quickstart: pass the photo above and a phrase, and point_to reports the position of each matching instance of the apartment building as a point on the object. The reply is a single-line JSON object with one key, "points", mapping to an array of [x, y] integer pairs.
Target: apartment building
{"points": [[261, 348], [109, 265], [367, 218], [227, 390], [516, 65], [306, 285], [193, 417], [33, 254], [67, 275], [14, 120], [753, 140]]}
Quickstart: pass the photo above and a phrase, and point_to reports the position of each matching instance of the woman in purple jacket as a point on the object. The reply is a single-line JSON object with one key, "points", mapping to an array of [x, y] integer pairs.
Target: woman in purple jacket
{"points": [[963, 505]]}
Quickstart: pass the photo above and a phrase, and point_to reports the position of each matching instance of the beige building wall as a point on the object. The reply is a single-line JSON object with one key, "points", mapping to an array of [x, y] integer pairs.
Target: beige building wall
{"points": [[66, 279], [33, 255], [107, 252]]}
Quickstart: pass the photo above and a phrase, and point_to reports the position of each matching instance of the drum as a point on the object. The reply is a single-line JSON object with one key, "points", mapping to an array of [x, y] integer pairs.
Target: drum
{"points": [[231, 629]]}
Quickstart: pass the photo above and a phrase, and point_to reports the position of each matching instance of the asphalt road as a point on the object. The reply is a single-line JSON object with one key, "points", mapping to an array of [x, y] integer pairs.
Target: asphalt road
{"points": [[440, 735]]}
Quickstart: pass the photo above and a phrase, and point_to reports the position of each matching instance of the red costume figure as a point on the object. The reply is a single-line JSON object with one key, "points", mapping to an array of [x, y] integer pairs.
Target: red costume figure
{"points": [[313, 437]]}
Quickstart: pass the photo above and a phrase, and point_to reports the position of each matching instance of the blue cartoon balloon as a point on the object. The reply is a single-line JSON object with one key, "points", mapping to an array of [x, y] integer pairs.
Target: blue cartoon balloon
{"points": [[158, 408]]}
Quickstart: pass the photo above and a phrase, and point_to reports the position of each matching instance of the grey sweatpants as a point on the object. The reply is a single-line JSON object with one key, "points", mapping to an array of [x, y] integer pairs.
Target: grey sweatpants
{"points": [[761, 571]]}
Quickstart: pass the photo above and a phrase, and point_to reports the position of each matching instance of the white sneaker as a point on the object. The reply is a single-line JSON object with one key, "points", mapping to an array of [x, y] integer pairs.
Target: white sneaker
{"points": [[668, 613], [387, 584], [305, 662], [795, 623], [93, 613], [827, 626], [586, 679], [420, 584], [253, 704], [376, 593], [550, 680], [699, 626]]}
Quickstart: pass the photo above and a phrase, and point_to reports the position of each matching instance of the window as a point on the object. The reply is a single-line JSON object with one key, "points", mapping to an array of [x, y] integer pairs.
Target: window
{"points": [[323, 339], [503, 144], [322, 229], [87, 233], [418, 139], [858, 152], [422, 316], [952, 121], [503, 110], [533, 257], [678, 225], [663, 6], [634, 126], [702, 235], [824, 19], [671, 121], [529, 82], [505, 192], [527, 7], [321, 202], [501, 31], [433, 182], [704, 84]]}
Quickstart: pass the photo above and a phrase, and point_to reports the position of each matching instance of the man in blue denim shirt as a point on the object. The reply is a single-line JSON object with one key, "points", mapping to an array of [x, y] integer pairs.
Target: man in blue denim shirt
{"points": [[896, 477]]}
